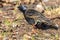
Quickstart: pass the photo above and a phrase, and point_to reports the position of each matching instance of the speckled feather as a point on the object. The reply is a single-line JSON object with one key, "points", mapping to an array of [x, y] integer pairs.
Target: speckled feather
{"points": [[32, 16]]}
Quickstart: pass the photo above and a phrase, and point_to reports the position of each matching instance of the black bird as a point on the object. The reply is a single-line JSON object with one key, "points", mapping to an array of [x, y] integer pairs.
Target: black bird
{"points": [[36, 18]]}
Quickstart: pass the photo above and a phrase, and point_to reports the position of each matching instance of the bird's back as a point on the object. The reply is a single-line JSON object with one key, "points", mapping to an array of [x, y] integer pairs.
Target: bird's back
{"points": [[33, 16], [31, 13]]}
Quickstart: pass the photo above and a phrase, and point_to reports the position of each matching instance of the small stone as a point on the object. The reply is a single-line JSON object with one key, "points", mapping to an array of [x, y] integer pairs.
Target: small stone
{"points": [[14, 24], [45, 0], [26, 37], [32, 1], [39, 7], [13, 0]]}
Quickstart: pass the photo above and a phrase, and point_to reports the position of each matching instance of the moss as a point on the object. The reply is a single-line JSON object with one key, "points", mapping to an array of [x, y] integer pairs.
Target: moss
{"points": [[7, 22]]}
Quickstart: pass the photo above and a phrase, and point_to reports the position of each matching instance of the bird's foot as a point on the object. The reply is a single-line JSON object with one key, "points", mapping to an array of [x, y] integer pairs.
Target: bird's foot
{"points": [[34, 30]]}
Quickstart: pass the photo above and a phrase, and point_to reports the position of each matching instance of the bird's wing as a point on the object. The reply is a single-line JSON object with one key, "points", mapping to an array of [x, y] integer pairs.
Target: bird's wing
{"points": [[33, 13]]}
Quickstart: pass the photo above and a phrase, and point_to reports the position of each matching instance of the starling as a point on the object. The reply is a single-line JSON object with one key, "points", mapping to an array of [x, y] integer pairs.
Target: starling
{"points": [[33, 17]]}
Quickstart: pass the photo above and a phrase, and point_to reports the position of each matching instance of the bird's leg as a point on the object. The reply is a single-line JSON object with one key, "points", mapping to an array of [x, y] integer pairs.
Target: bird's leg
{"points": [[34, 29]]}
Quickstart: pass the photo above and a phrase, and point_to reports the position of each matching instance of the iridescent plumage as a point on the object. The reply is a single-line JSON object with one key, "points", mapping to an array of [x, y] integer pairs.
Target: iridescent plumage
{"points": [[34, 17]]}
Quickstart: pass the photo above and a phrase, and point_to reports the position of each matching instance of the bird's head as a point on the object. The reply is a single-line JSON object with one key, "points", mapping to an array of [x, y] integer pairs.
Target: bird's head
{"points": [[22, 8]]}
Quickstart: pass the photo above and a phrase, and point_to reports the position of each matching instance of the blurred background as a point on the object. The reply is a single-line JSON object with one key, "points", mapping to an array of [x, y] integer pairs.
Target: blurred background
{"points": [[13, 25]]}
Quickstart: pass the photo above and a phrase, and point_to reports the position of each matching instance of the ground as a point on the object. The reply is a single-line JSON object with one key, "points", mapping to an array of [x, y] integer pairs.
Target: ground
{"points": [[13, 25]]}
